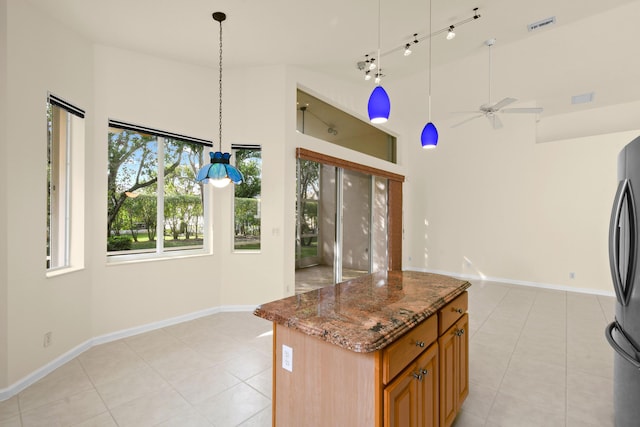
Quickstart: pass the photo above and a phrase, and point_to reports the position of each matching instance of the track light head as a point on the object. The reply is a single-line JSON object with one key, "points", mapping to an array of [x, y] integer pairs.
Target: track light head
{"points": [[372, 64], [407, 49], [367, 75], [450, 33]]}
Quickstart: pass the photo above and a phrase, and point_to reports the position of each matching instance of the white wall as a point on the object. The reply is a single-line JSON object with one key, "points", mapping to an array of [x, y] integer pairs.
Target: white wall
{"points": [[254, 113], [497, 204], [40, 57], [165, 95], [3, 193]]}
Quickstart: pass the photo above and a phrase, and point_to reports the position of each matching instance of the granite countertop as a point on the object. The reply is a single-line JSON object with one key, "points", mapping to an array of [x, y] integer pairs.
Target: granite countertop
{"points": [[367, 313]]}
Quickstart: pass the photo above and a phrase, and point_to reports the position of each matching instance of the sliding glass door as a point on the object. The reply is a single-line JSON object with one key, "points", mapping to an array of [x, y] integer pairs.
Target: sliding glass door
{"points": [[341, 224]]}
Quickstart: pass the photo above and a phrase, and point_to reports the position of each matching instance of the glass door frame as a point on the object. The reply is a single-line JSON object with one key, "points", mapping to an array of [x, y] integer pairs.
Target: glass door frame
{"points": [[394, 199]]}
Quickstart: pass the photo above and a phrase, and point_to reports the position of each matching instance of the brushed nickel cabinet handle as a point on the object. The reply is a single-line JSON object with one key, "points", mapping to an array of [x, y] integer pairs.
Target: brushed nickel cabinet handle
{"points": [[417, 376], [419, 343], [458, 310]]}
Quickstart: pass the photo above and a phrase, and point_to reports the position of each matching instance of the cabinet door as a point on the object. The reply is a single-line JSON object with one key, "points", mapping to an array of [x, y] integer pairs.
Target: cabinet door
{"points": [[401, 400], [447, 344], [412, 398], [428, 409], [454, 370], [463, 362]]}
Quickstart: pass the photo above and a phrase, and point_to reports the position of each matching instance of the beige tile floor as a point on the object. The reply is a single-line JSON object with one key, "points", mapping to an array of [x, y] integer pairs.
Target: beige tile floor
{"points": [[537, 358]]}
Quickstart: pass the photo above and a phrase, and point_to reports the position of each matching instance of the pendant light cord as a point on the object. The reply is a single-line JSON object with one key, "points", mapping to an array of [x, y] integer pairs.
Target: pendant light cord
{"points": [[379, 56], [220, 93], [430, 60]]}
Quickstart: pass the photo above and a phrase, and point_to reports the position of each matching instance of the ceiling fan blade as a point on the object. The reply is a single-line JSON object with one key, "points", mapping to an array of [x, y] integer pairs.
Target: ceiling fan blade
{"points": [[532, 110], [495, 121], [500, 104], [467, 112], [467, 120]]}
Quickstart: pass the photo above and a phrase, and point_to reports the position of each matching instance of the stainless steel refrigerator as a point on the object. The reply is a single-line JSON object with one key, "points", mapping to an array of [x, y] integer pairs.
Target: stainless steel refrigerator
{"points": [[623, 333]]}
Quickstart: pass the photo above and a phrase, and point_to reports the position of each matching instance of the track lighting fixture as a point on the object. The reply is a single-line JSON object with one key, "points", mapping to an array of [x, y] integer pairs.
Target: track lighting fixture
{"points": [[378, 78], [367, 75], [366, 64], [370, 64], [450, 33]]}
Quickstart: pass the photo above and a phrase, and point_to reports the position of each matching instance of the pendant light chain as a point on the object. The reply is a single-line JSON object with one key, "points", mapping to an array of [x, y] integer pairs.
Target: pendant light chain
{"points": [[220, 93], [219, 172]]}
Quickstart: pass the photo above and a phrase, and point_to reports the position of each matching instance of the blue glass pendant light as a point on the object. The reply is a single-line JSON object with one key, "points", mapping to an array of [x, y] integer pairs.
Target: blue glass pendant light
{"points": [[429, 136], [379, 106], [219, 172]]}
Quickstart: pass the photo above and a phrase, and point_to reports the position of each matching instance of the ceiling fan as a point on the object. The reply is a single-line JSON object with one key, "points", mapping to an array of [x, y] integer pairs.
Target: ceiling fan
{"points": [[489, 110]]}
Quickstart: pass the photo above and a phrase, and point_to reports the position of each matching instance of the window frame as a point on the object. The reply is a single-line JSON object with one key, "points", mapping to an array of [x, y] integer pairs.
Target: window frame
{"points": [[235, 148], [65, 186], [161, 252]]}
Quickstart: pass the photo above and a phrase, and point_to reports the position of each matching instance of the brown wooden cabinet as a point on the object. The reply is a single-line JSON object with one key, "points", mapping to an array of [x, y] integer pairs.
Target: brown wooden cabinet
{"points": [[411, 400], [454, 369], [419, 380]]}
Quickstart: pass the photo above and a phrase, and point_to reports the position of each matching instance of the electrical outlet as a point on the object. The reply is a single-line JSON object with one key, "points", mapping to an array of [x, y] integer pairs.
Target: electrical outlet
{"points": [[47, 339], [287, 358], [572, 275]]}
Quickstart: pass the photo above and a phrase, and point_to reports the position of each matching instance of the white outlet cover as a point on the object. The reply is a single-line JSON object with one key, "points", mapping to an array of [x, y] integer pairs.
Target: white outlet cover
{"points": [[287, 358]]}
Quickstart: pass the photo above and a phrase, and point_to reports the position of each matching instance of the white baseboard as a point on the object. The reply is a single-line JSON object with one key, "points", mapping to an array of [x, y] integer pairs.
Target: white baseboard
{"points": [[40, 373], [518, 282]]}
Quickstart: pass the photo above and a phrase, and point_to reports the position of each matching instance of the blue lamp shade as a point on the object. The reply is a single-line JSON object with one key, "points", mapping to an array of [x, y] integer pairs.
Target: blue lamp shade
{"points": [[219, 172], [429, 137], [379, 105]]}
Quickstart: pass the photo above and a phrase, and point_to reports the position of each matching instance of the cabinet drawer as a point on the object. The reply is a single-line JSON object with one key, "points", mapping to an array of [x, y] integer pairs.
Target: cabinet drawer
{"points": [[398, 355], [450, 313]]}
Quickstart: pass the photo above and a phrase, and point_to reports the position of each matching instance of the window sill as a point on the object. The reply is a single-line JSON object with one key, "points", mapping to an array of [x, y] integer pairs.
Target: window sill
{"points": [[140, 258], [62, 271]]}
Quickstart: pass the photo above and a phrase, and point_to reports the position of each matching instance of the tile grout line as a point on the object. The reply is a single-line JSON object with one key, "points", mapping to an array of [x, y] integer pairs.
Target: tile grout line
{"points": [[510, 357], [97, 391], [566, 359]]}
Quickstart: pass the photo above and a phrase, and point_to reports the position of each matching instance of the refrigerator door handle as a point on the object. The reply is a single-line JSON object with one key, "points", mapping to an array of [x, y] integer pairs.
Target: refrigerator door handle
{"points": [[623, 289], [609, 334]]}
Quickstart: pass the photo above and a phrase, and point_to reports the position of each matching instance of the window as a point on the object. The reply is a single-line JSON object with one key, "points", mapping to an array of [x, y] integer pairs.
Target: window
{"points": [[65, 138], [155, 205], [247, 198], [321, 120]]}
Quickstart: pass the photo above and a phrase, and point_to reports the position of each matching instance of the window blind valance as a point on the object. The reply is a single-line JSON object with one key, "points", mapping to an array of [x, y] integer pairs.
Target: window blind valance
{"points": [[143, 129], [55, 100]]}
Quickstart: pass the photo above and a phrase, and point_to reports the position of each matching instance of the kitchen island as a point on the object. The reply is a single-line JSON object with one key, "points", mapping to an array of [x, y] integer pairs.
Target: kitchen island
{"points": [[384, 349]]}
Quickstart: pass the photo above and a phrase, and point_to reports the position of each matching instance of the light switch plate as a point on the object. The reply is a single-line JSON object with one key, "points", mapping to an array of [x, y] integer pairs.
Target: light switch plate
{"points": [[287, 358]]}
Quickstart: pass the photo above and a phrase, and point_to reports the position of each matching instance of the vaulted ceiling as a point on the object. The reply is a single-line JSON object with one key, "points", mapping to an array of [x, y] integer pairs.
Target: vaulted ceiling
{"points": [[331, 36]]}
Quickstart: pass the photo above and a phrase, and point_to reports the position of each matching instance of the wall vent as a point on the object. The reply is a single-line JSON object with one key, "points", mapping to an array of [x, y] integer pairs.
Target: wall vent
{"points": [[542, 24], [582, 99]]}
